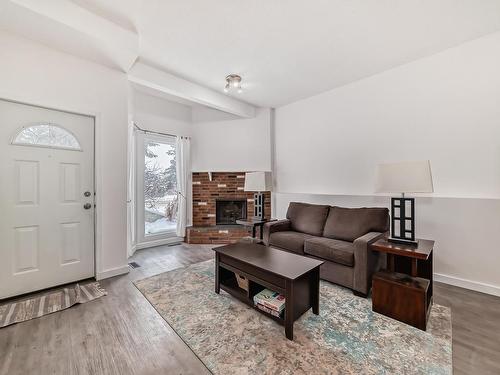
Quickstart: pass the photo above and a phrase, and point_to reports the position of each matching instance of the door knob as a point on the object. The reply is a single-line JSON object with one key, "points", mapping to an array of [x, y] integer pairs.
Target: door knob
{"points": [[87, 206]]}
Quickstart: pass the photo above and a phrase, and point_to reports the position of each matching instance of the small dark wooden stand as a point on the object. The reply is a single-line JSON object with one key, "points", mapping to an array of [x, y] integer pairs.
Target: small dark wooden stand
{"points": [[294, 276], [404, 290], [254, 224]]}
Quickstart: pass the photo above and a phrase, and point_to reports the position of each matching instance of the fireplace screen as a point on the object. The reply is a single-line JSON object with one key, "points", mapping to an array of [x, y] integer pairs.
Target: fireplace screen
{"points": [[227, 211]]}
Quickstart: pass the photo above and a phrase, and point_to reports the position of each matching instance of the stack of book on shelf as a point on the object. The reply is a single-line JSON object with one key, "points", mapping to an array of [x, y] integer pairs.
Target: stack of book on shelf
{"points": [[271, 302]]}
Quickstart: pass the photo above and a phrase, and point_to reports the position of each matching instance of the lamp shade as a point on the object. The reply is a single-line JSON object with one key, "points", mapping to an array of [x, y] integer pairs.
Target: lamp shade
{"points": [[258, 181], [404, 177]]}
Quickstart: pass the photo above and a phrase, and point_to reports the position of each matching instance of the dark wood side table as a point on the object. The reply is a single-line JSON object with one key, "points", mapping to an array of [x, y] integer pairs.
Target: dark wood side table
{"points": [[404, 290], [254, 224]]}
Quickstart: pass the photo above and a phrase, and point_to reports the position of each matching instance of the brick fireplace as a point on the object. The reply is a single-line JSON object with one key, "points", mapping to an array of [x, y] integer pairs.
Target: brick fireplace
{"points": [[228, 210], [221, 198]]}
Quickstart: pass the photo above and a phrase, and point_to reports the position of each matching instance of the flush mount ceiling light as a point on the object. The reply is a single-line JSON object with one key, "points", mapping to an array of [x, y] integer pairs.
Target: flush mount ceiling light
{"points": [[233, 82]]}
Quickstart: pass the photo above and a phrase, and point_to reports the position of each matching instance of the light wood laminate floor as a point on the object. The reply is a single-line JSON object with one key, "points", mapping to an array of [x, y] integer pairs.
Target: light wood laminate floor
{"points": [[123, 334]]}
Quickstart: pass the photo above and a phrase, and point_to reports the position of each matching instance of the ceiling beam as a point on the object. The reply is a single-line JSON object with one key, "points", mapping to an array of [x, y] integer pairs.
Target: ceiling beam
{"points": [[152, 78], [66, 26]]}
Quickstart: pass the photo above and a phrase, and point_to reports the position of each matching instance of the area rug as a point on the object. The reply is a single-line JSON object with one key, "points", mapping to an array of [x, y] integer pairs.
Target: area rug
{"points": [[48, 303], [346, 337]]}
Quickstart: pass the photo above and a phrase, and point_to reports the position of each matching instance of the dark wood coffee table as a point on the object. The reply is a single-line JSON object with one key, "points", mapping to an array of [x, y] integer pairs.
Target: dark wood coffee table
{"points": [[294, 276]]}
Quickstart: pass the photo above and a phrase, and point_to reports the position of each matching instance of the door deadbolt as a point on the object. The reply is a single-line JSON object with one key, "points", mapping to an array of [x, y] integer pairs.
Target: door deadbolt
{"points": [[87, 206], [87, 194]]}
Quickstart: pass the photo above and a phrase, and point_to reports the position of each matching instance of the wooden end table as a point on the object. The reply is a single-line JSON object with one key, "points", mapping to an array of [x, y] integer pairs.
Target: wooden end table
{"points": [[404, 290], [254, 224]]}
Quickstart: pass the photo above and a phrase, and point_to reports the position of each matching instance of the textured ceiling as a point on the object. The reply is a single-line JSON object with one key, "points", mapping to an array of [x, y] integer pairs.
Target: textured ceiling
{"points": [[289, 50]]}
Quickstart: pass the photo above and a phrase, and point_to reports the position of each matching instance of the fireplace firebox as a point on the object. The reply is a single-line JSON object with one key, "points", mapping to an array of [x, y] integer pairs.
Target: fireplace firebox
{"points": [[227, 211]]}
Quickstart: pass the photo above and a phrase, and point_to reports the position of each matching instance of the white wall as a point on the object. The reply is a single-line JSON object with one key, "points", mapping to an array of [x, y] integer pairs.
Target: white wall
{"points": [[34, 74], [160, 115], [222, 142], [444, 108]]}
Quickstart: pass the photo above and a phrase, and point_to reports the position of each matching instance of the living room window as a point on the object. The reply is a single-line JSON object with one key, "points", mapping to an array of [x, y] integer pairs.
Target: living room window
{"points": [[157, 196]]}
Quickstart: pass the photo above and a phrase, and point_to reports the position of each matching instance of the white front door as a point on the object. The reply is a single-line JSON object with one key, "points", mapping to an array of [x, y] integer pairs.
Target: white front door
{"points": [[47, 198]]}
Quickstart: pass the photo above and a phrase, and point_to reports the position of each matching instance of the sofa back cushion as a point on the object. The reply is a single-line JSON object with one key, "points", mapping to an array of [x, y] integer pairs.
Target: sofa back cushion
{"points": [[307, 218], [347, 224]]}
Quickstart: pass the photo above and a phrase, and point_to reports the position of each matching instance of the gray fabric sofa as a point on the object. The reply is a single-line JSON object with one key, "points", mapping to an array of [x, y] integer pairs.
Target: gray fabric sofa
{"points": [[338, 236]]}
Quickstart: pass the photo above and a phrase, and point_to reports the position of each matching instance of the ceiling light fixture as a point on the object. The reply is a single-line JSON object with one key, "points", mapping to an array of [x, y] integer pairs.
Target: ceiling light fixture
{"points": [[233, 81]]}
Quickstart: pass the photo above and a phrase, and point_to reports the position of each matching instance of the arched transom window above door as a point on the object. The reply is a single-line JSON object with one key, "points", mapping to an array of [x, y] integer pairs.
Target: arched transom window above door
{"points": [[46, 135]]}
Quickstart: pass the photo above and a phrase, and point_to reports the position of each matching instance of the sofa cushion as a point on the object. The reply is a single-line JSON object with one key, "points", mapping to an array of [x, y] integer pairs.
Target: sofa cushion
{"points": [[337, 251], [350, 223], [289, 240], [307, 218]]}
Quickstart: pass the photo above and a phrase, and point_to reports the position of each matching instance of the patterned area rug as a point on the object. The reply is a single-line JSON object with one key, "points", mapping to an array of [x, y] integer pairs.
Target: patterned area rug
{"points": [[48, 303], [346, 338]]}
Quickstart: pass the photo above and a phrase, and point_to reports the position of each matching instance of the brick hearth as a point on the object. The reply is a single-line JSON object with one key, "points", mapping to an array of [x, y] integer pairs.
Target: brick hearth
{"points": [[205, 192]]}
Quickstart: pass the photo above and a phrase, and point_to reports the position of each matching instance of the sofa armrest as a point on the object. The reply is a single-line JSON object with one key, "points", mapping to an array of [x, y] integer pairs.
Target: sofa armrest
{"points": [[275, 226], [365, 261]]}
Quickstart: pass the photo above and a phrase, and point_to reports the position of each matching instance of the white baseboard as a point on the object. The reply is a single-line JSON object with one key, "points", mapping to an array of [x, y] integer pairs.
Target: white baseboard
{"points": [[164, 241], [468, 284], [112, 272]]}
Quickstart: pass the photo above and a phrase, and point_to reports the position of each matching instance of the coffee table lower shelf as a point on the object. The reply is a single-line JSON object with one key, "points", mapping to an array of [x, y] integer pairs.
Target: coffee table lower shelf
{"points": [[240, 295], [307, 287]]}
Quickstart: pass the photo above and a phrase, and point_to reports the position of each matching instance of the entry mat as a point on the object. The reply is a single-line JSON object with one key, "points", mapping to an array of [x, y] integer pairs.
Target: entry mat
{"points": [[47, 303]]}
